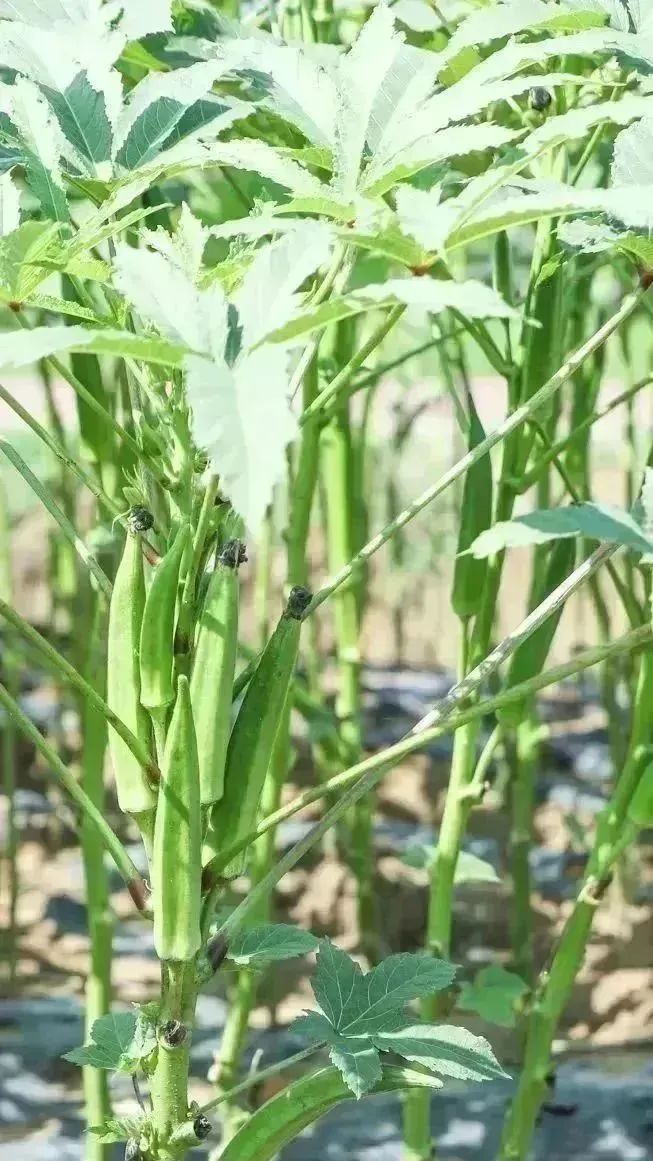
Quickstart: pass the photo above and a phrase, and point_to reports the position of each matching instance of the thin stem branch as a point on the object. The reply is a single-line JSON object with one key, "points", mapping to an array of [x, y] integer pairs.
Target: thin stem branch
{"points": [[69, 531], [78, 682], [128, 870], [263, 1074], [342, 380], [363, 777], [510, 424]]}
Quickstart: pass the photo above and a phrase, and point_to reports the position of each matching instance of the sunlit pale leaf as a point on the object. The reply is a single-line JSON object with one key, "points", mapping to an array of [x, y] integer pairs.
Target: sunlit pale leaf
{"points": [[156, 107], [268, 297], [165, 295], [242, 419], [9, 204], [296, 85], [258, 157], [632, 163], [601, 522]]}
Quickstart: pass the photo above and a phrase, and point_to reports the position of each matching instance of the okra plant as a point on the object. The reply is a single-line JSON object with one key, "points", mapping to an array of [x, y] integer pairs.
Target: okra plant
{"points": [[193, 197]]}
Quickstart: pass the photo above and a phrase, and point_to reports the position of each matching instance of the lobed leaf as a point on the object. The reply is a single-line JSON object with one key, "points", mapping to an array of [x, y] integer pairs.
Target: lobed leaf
{"points": [[605, 523], [493, 995], [269, 942]]}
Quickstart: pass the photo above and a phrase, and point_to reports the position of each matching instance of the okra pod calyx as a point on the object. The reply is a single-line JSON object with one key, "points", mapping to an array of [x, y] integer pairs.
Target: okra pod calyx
{"points": [[139, 519], [299, 599]]}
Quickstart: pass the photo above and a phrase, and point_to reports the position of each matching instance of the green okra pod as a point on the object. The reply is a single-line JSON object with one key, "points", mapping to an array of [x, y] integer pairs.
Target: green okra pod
{"points": [[253, 735], [177, 855], [213, 670], [135, 793], [529, 658], [640, 810], [476, 515], [157, 652]]}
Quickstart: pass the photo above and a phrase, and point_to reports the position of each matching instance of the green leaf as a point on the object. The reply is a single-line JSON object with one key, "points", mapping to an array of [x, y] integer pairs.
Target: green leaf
{"points": [[21, 253], [116, 1129], [469, 868], [357, 1004], [23, 348], [269, 942], [111, 1045], [82, 114], [151, 120], [445, 1049], [493, 995], [358, 1061], [56, 305], [473, 298], [608, 524]]}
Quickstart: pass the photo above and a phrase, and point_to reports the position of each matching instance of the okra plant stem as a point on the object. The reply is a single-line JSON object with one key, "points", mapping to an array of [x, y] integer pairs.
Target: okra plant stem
{"points": [[11, 668], [556, 982], [100, 923], [387, 759], [87, 692], [510, 424], [371, 770], [112, 844], [69, 531], [338, 471]]}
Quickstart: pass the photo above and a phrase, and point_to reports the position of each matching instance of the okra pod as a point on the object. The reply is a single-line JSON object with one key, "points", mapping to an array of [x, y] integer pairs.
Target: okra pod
{"points": [[253, 735], [158, 629], [476, 515], [135, 794], [529, 658], [177, 855], [640, 811], [213, 670]]}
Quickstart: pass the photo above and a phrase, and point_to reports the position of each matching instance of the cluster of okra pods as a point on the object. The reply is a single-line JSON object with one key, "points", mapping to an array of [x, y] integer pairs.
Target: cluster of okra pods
{"points": [[199, 794]]}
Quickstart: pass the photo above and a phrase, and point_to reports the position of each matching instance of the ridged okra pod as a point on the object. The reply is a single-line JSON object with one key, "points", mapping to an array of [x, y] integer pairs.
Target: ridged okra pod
{"points": [[135, 794], [476, 515], [212, 678], [158, 628], [254, 732], [177, 857], [530, 657]]}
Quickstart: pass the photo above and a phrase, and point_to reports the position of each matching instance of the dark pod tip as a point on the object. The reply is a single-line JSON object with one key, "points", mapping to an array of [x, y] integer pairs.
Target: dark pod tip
{"points": [[216, 951], [202, 1127], [234, 553], [132, 1150], [298, 601], [139, 519], [174, 1033], [539, 98]]}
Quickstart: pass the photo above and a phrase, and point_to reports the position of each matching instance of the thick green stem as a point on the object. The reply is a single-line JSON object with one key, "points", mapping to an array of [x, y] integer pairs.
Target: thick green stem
{"points": [[556, 983], [12, 672], [510, 424], [243, 995], [379, 764], [526, 751], [340, 489], [417, 1128], [169, 1084], [100, 924]]}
